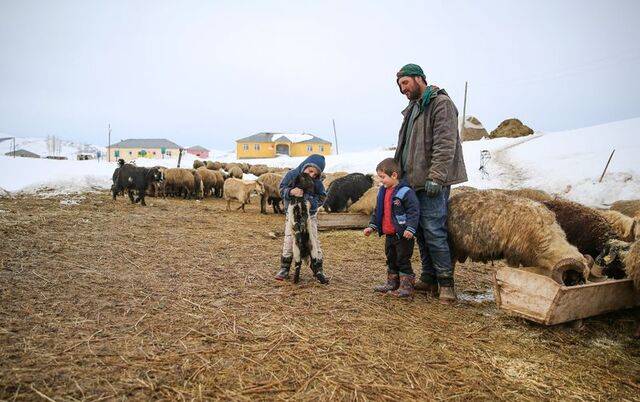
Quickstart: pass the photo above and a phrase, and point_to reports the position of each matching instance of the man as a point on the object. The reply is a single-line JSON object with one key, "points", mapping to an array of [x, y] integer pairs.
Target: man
{"points": [[430, 155]]}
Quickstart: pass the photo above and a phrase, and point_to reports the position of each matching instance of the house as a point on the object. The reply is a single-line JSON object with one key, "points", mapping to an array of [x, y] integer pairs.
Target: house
{"points": [[270, 145], [23, 153], [200, 152], [153, 148]]}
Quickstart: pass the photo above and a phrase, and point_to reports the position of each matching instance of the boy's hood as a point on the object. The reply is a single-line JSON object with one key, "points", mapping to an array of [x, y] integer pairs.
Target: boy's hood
{"points": [[315, 160]]}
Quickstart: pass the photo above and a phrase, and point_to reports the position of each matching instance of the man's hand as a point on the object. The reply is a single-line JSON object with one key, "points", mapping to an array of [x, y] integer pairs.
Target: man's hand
{"points": [[407, 234], [367, 231], [432, 189], [296, 192]]}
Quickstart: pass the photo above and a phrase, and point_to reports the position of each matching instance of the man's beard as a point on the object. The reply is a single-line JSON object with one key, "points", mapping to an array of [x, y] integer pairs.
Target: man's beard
{"points": [[414, 94]]}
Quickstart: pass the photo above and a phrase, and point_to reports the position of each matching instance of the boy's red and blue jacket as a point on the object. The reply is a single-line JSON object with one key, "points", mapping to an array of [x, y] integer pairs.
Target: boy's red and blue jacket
{"points": [[405, 209], [318, 196]]}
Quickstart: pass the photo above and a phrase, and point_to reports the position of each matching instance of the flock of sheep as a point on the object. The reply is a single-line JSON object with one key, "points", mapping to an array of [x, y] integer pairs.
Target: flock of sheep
{"points": [[571, 242]]}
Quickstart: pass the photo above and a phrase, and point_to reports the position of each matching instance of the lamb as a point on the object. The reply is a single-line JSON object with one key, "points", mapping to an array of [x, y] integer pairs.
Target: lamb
{"points": [[367, 203], [530, 193], [130, 177], [239, 190], [629, 207], [197, 184], [198, 163], [626, 228], [179, 182], [235, 172], [346, 191], [487, 225], [585, 227], [271, 183], [330, 177], [258, 170], [299, 221]]}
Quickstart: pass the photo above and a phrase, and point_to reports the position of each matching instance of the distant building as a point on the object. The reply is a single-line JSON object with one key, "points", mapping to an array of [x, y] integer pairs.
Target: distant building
{"points": [[270, 145], [153, 148], [200, 152], [23, 153]]}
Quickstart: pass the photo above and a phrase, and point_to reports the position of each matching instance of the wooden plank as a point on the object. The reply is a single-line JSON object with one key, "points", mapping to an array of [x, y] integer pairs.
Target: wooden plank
{"points": [[342, 220], [527, 294]]}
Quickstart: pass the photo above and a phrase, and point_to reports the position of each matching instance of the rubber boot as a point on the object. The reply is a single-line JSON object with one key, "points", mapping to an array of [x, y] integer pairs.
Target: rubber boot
{"points": [[316, 267], [431, 289], [447, 294], [393, 282], [405, 291], [285, 266]]}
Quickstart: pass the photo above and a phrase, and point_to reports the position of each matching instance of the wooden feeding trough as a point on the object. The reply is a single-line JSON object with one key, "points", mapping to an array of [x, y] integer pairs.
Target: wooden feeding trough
{"points": [[342, 220], [541, 299]]}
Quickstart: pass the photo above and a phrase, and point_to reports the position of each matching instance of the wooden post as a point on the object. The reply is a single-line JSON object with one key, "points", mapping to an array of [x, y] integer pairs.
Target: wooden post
{"points": [[464, 108], [109, 145], [335, 136], [14, 146], [180, 156], [607, 166]]}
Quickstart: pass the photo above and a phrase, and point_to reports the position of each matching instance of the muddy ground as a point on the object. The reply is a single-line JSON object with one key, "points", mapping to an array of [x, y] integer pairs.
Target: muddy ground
{"points": [[176, 301]]}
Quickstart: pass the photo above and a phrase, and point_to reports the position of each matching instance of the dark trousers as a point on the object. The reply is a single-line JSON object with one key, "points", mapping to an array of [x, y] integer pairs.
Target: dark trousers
{"points": [[398, 251], [432, 239]]}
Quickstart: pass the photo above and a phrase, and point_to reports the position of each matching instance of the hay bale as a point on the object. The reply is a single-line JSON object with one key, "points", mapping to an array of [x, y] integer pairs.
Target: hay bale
{"points": [[628, 207], [511, 128], [473, 130]]}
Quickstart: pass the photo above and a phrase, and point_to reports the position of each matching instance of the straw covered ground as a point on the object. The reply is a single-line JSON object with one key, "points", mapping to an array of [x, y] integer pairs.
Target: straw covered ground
{"points": [[176, 301]]}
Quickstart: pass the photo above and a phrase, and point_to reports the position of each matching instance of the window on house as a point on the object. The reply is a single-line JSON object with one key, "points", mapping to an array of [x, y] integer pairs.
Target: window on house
{"points": [[256, 147], [309, 148], [130, 152], [321, 148], [154, 152], [245, 147]]}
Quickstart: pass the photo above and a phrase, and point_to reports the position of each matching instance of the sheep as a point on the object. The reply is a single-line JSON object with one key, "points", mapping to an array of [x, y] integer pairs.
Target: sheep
{"points": [[218, 186], [632, 267], [213, 165], [278, 170], [245, 167], [460, 189], [239, 190], [585, 227], [530, 193], [629, 207], [271, 183], [488, 225], [330, 177], [180, 182], [367, 203], [209, 180], [258, 170], [346, 190], [626, 228], [198, 163], [235, 172]]}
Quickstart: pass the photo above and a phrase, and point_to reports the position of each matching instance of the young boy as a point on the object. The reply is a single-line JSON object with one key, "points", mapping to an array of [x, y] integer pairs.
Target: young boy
{"points": [[313, 166], [396, 215]]}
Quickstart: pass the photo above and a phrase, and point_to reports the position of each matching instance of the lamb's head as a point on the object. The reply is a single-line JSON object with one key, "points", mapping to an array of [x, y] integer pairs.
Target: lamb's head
{"points": [[259, 189], [155, 174], [304, 182]]}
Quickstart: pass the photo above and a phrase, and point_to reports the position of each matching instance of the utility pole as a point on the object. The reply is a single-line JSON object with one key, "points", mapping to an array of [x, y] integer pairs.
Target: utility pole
{"points": [[109, 144], [335, 136], [14, 146], [464, 108]]}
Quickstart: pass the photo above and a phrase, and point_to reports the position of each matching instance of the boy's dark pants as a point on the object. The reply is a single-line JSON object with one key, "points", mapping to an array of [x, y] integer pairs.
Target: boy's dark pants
{"points": [[398, 251]]}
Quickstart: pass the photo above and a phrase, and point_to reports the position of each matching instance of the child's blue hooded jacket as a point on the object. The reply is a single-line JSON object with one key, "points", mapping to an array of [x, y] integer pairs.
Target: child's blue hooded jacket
{"points": [[405, 209], [318, 196]]}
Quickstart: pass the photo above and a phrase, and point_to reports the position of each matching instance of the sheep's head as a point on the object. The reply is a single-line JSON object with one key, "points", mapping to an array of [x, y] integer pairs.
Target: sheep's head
{"points": [[259, 188], [304, 182], [155, 174]]}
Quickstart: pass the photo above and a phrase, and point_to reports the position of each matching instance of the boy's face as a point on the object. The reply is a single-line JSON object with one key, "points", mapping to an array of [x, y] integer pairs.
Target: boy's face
{"points": [[311, 171], [388, 181]]}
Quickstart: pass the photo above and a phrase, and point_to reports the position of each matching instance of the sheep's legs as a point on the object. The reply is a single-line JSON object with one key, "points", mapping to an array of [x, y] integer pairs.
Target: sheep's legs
{"points": [[296, 274], [131, 196]]}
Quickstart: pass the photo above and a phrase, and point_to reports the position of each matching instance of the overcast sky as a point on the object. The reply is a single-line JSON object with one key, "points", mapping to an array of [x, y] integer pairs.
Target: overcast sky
{"points": [[209, 72]]}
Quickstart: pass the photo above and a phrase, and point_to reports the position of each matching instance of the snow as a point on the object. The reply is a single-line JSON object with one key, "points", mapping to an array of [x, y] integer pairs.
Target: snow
{"points": [[568, 163], [39, 146], [293, 137]]}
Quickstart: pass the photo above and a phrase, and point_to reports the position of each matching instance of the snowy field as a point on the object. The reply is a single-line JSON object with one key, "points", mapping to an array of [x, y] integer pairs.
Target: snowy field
{"points": [[568, 163]]}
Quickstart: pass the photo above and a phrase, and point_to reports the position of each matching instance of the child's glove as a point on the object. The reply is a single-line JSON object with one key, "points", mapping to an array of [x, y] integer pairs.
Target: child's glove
{"points": [[407, 234], [367, 231]]}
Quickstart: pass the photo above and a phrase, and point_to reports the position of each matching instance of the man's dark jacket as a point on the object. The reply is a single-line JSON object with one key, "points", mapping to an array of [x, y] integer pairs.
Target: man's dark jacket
{"points": [[435, 148]]}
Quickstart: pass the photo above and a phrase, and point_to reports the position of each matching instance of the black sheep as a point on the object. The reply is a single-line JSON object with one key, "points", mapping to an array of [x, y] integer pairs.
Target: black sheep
{"points": [[347, 190], [130, 177]]}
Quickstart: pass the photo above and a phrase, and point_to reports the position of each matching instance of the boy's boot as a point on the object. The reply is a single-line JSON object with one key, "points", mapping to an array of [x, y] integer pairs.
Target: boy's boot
{"points": [[285, 266], [405, 290], [447, 294], [316, 267], [393, 282]]}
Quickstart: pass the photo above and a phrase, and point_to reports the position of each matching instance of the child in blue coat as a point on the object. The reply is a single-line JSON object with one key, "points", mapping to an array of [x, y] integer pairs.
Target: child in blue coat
{"points": [[396, 216], [312, 166]]}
